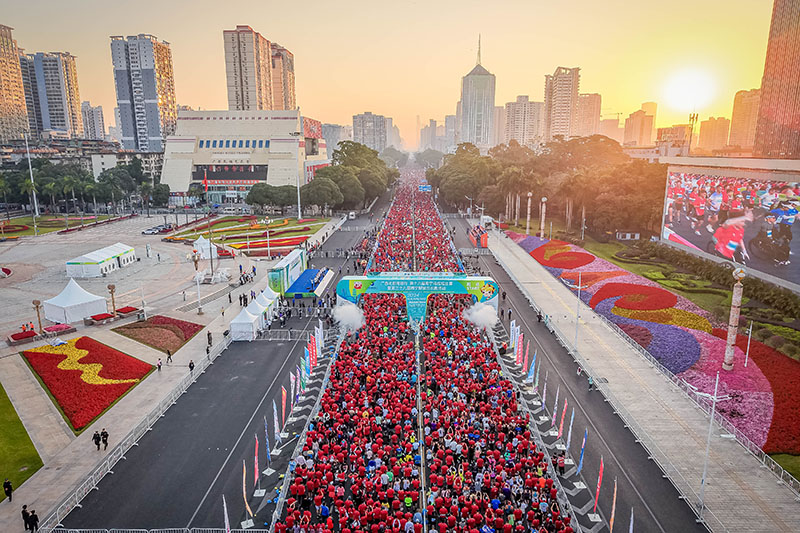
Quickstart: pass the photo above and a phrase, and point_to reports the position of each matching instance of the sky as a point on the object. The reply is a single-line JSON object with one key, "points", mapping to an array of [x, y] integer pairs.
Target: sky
{"points": [[405, 58]]}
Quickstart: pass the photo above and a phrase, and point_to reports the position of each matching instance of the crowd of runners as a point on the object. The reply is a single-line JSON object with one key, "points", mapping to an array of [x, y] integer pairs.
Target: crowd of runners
{"points": [[435, 442]]}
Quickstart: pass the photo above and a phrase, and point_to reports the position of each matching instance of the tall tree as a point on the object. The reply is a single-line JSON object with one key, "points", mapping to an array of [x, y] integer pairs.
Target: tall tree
{"points": [[321, 192]]}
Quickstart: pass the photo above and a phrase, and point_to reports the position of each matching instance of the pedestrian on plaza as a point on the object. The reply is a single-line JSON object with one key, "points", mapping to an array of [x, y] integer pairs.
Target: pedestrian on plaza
{"points": [[509, 314], [240, 301], [191, 366], [159, 257], [184, 296], [169, 356], [591, 382], [8, 488], [24, 327], [502, 314], [230, 298], [26, 516], [223, 311], [158, 365], [562, 463], [254, 271], [240, 269], [539, 316], [104, 438], [33, 521], [30, 326], [504, 296], [96, 439]]}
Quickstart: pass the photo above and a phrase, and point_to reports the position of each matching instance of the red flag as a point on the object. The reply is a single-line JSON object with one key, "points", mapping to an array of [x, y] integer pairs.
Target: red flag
{"points": [[599, 482], [283, 406], [205, 179], [255, 480]]}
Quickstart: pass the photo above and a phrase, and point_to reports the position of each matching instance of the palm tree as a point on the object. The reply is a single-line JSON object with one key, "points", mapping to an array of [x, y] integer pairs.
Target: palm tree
{"points": [[91, 187], [145, 191], [28, 187], [68, 184], [5, 188], [51, 189]]}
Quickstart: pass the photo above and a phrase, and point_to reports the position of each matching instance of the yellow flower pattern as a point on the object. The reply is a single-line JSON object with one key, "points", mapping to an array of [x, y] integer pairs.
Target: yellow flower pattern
{"points": [[90, 373]]}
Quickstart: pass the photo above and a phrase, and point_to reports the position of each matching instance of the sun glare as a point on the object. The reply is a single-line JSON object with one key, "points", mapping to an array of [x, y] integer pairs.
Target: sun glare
{"points": [[689, 90]]}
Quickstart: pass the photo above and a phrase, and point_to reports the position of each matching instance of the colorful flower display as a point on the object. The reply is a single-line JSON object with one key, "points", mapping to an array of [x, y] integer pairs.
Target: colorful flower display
{"points": [[84, 377], [23, 335], [765, 395], [102, 316], [160, 332]]}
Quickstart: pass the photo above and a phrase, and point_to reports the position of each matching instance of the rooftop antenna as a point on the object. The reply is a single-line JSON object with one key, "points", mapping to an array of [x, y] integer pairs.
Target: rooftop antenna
{"points": [[479, 49]]}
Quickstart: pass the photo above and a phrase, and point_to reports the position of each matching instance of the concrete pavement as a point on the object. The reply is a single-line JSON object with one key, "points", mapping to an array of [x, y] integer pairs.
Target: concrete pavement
{"points": [[740, 495]]}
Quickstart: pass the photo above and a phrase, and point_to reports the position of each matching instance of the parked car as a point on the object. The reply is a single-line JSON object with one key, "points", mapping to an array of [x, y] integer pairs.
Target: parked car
{"points": [[151, 231]]}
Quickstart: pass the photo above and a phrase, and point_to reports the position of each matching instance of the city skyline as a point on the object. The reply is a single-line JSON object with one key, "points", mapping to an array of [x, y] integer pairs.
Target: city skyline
{"points": [[373, 74]]}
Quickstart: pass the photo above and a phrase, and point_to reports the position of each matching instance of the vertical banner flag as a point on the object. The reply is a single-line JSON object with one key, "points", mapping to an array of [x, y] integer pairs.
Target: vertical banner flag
{"points": [[532, 369], [563, 415], [512, 341], [569, 431], [293, 381], [283, 406], [527, 351], [630, 529], [613, 508], [519, 349], [308, 364], [277, 426], [536, 381], [244, 488], [257, 471], [555, 407], [321, 337], [228, 523], [313, 352], [544, 388], [583, 447], [599, 482], [266, 440], [301, 379]]}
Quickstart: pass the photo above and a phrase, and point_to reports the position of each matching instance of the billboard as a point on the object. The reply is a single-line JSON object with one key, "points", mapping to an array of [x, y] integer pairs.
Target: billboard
{"points": [[312, 129], [748, 220]]}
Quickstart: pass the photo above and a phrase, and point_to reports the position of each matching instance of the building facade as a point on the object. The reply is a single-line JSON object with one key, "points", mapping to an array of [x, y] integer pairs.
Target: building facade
{"points": [[370, 130], [283, 94], [561, 103], [524, 122], [94, 127], [145, 87], [589, 105], [778, 127], [713, 133], [248, 69], [231, 151], [477, 109], [51, 94], [744, 118], [610, 128], [334, 134], [638, 129], [13, 109]]}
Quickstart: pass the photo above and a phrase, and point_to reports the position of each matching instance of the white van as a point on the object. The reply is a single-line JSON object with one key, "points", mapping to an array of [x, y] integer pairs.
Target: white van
{"points": [[352, 215]]}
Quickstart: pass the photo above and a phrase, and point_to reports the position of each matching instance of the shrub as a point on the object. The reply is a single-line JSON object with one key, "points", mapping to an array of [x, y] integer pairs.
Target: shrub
{"points": [[776, 341]]}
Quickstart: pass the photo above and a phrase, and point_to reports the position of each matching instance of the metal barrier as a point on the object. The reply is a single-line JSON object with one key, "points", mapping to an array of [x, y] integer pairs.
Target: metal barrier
{"points": [[81, 489], [470, 252], [295, 334]]}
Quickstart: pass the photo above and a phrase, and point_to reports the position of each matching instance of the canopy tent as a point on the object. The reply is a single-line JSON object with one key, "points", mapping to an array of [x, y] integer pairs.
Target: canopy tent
{"points": [[244, 327], [269, 294], [205, 248], [257, 310], [95, 264], [267, 304], [74, 303]]}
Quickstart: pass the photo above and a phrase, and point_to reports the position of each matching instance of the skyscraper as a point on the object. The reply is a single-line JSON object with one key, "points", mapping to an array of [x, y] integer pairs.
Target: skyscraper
{"points": [[638, 129], [248, 69], [561, 102], [449, 133], [145, 86], [744, 118], [778, 127], [713, 133], [650, 108], [524, 121], [94, 126], [610, 128], [370, 130], [477, 106], [13, 111], [51, 93], [589, 114], [498, 125], [283, 95]]}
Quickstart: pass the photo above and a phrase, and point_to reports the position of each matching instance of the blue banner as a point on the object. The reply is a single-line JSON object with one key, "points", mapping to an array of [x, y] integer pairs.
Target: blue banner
{"points": [[532, 369], [583, 447], [266, 440]]}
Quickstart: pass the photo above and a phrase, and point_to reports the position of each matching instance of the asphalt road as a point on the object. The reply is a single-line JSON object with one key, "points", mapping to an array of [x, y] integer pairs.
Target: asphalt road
{"points": [[655, 502], [177, 474]]}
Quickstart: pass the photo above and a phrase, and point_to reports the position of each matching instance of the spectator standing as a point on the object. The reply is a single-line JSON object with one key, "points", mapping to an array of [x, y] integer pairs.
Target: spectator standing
{"points": [[26, 516], [104, 438], [96, 439], [191, 366], [33, 521], [8, 488]]}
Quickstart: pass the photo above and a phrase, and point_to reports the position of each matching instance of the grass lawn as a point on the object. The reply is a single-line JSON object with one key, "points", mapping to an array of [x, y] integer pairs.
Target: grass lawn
{"points": [[19, 460], [790, 463], [49, 227]]}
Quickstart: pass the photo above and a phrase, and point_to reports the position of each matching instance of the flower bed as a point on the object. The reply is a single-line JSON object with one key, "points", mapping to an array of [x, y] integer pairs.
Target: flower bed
{"points": [[288, 241], [101, 317], [58, 328], [127, 310], [160, 332], [21, 335], [14, 228], [765, 396], [85, 377]]}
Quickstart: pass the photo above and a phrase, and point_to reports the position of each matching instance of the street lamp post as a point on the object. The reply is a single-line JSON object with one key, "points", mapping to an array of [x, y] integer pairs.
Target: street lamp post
{"points": [[528, 223], [112, 288], [196, 260], [544, 212], [33, 189], [733, 320], [470, 204], [299, 208], [37, 304]]}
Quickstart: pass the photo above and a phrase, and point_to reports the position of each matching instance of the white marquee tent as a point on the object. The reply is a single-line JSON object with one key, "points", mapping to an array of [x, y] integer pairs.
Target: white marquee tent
{"points": [[73, 304], [205, 248], [99, 262], [269, 294], [257, 310], [244, 327], [266, 303]]}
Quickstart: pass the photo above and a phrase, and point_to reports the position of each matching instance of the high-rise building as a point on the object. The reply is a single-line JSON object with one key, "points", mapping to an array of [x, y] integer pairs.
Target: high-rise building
{"points": [[778, 127], [498, 125], [13, 110], [677, 133], [449, 133], [610, 128], [145, 86], [427, 136], [283, 95], [589, 114], [744, 118], [248, 70], [51, 93], [477, 106], [94, 126], [524, 122], [334, 134], [561, 103], [370, 130], [638, 129], [714, 133], [650, 108]]}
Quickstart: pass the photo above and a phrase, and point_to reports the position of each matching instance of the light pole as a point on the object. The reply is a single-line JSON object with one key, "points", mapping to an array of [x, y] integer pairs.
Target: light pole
{"points": [[196, 260], [33, 189], [37, 305], [470, 204], [299, 212], [266, 223], [544, 212], [714, 399], [112, 288], [733, 320], [528, 223]]}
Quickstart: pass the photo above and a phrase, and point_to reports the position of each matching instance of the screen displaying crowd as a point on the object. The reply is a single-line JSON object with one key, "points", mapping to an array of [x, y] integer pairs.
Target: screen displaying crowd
{"points": [[749, 221], [442, 439]]}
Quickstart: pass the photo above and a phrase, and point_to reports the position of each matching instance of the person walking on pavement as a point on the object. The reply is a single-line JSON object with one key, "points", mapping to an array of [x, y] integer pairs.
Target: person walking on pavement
{"points": [[591, 382], [104, 438], [96, 439], [158, 365], [191, 366], [169, 356], [230, 298], [8, 488], [33, 521], [26, 516], [509, 314]]}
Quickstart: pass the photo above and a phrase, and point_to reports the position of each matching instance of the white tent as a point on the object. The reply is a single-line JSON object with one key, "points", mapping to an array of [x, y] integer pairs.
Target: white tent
{"points": [[205, 248], [269, 294], [73, 304], [95, 264], [265, 302], [244, 327], [257, 310]]}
